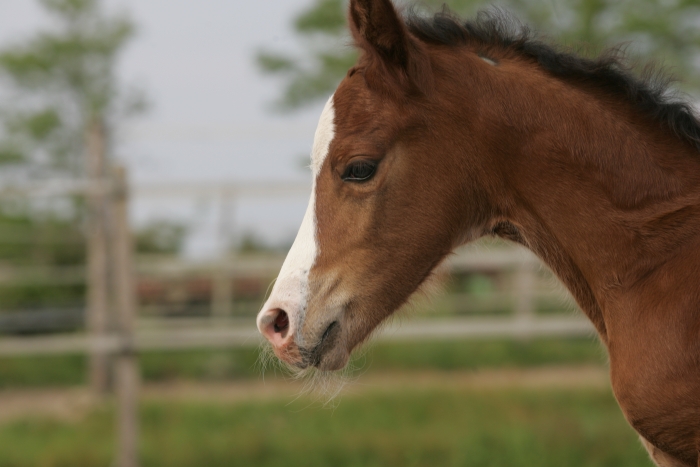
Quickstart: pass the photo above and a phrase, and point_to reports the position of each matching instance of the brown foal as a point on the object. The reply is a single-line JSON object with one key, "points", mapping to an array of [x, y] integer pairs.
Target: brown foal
{"points": [[445, 132]]}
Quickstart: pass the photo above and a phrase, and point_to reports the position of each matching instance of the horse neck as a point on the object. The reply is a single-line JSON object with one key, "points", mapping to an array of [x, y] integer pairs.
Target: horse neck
{"points": [[602, 195]]}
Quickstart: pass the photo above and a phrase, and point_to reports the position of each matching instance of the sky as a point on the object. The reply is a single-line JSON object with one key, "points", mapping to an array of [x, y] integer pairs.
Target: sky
{"points": [[210, 118]]}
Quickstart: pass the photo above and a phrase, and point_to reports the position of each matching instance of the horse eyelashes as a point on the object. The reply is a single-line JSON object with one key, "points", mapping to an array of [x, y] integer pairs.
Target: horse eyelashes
{"points": [[360, 171]]}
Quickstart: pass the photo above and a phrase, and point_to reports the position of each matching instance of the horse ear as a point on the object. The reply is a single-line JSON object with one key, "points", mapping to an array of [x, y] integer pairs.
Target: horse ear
{"points": [[380, 32]]}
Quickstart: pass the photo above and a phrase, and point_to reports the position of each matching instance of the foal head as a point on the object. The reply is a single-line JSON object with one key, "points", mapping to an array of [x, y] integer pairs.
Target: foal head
{"points": [[387, 204]]}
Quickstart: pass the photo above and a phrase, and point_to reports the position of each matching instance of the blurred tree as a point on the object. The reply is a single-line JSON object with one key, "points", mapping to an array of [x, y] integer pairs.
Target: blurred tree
{"points": [[250, 243], [666, 32], [322, 27], [55, 84], [160, 237], [30, 239], [59, 80]]}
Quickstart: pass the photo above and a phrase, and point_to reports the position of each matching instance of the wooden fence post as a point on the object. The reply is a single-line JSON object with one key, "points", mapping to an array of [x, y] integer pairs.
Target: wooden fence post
{"points": [[222, 290], [97, 300], [222, 293], [127, 378], [524, 288]]}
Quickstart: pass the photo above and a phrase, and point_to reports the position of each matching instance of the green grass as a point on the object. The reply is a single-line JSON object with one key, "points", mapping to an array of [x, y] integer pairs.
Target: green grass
{"points": [[438, 427], [481, 354], [241, 363]]}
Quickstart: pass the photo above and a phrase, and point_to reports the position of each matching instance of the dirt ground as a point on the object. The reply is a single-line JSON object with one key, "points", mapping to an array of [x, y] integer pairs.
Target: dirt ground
{"points": [[72, 403]]}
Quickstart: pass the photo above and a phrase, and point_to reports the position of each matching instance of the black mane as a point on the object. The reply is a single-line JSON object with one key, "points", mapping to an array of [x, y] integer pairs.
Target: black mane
{"points": [[651, 94]]}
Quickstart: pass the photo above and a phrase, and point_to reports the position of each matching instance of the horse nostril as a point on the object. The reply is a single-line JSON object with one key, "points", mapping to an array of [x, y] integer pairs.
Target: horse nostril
{"points": [[275, 326], [281, 323]]}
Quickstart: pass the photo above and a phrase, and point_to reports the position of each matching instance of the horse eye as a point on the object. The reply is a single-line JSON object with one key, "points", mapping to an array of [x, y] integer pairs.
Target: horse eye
{"points": [[360, 171]]}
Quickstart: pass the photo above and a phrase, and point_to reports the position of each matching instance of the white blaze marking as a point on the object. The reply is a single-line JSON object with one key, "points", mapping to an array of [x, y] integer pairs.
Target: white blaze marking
{"points": [[291, 290], [488, 60], [323, 138]]}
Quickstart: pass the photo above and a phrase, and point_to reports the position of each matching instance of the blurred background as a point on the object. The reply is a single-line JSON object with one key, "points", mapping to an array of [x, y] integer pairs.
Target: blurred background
{"points": [[153, 175]]}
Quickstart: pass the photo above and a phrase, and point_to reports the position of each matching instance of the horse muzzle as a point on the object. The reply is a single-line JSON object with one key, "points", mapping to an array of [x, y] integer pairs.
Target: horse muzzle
{"points": [[326, 352]]}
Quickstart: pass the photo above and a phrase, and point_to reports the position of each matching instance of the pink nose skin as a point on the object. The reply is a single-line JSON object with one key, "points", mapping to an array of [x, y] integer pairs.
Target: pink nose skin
{"points": [[274, 325]]}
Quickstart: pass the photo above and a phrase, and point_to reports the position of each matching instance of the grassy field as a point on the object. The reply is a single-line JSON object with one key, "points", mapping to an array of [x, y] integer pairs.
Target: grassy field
{"points": [[436, 427], [241, 364], [405, 423]]}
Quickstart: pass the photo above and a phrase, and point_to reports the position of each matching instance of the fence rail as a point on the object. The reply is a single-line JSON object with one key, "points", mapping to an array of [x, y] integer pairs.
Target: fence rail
{"points": [[217, 334], [74, 187], [522, 297]]}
